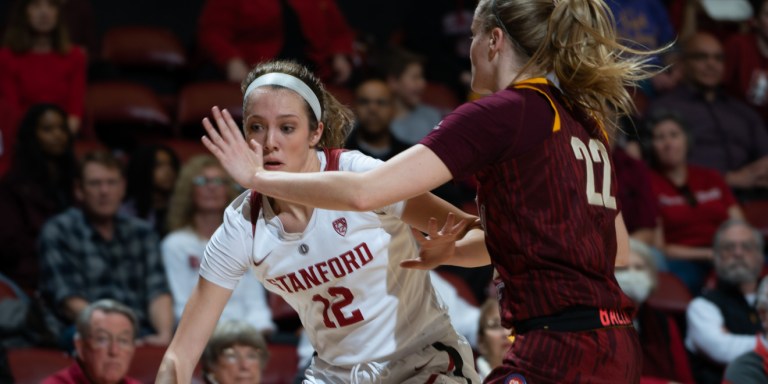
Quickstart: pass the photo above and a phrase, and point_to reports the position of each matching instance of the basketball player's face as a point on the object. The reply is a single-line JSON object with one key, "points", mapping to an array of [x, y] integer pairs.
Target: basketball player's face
{"points": [[101, 190], [669, 144], [482, 79], [278, 120]]}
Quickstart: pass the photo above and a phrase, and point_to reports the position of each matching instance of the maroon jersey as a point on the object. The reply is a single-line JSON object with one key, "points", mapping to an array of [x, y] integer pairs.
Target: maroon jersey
{"points": [[546, 196]]}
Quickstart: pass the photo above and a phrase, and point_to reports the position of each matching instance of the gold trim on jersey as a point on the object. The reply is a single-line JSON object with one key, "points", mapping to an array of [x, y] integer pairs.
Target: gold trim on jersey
{"points": [[527, 84]]}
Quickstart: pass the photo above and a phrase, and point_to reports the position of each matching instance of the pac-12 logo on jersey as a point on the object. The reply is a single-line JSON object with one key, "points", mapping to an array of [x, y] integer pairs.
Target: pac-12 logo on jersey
{"points": [[340, 225]]}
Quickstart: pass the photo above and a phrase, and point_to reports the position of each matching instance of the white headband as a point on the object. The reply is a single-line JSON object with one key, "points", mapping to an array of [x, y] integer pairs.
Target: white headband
{"points": [[291, 82]]}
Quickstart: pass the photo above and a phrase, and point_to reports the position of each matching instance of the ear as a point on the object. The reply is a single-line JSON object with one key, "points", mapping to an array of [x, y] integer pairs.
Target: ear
{"points": [[79, 345], [497, 37], [315, 136]]}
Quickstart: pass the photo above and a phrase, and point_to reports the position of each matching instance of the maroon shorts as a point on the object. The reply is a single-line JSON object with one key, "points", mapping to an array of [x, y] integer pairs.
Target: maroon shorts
{"points": [[605, 355]]}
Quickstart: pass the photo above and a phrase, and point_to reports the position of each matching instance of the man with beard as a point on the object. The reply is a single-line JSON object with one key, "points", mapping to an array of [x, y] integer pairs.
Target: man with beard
{"points": [[374, 111], [723, 322]]}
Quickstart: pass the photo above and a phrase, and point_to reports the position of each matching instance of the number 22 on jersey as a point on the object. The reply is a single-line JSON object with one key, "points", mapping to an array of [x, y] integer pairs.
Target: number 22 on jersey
{"points": [[593, 154]]}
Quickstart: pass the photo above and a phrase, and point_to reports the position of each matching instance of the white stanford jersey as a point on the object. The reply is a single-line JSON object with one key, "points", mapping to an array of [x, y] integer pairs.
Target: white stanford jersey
{"points": [[342, 275]]}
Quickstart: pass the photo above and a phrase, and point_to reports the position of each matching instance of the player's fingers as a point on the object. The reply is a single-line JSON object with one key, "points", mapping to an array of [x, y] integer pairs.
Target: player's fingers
{"points": [[446, 230], [413, 264], [418, 235], [460, 226], [432, 227], [212, 133], [213, 148], [232, 129], [221, 123]]}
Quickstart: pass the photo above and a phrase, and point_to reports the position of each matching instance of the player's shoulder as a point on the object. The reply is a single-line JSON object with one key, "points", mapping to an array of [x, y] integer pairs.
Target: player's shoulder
{"points": [[356, 161]]}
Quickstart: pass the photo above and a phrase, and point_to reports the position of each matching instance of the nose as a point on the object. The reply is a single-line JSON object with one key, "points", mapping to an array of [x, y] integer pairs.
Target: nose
{"points": [[270, 140], [113, 348]]}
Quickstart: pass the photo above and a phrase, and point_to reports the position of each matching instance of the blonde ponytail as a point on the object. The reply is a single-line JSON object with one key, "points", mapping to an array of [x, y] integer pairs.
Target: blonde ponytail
{"points": [[576, 40]]}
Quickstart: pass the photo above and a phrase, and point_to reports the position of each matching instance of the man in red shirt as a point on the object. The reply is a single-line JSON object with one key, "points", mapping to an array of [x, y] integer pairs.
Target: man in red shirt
{"points": [[104, 343], [746, 62]]}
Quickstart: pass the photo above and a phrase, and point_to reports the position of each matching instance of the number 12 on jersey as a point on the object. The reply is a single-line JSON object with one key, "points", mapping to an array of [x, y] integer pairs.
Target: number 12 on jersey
{"points": [[595, 153], [341, 297]]}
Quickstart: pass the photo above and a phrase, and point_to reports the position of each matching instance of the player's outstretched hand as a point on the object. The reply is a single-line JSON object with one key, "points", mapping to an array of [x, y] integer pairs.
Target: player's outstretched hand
{"points": [[438, 247], [241, 160]]}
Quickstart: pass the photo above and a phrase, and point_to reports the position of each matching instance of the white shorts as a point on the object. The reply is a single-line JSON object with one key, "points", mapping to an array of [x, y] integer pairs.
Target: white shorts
{"points": [[448, 360]]}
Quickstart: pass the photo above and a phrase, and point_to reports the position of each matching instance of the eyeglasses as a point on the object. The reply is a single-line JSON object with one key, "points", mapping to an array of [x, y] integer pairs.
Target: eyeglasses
{"points": [[377, 102], [231, 356], [201, 181], [701, 56], [103, 341], [731, 246]]}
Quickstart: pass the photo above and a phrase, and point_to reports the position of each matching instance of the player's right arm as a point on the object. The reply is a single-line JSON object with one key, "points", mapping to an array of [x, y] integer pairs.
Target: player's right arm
{"points": [[622, 243], [195, 328]]}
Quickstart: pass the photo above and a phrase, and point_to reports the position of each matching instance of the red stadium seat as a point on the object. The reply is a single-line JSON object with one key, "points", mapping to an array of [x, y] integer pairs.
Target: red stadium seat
{"points": [[756, 213], [282, 364], [146, 362], [140, 46], [32, 365], [119, 113], [195, 102]]}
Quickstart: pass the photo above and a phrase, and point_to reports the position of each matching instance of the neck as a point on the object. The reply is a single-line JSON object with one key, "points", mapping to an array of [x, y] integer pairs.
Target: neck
{"points": [[377, 140], [401, 108], [747, 288], [160, 199], [678, 175], [105, 226], [206, 223], [42, 43]]}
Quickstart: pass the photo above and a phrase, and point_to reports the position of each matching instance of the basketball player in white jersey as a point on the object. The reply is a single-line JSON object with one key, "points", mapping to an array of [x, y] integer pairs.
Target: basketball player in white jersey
{"points": [[369, 320]]}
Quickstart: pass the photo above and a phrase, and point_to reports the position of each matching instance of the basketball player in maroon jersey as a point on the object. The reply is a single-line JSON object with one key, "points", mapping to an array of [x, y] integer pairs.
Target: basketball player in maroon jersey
{"points": [[538, 145]]}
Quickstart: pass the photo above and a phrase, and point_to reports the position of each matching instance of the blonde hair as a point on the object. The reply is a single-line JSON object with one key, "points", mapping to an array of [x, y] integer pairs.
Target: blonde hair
{"points": [[337, 119], [576, 40], [182, 207]]}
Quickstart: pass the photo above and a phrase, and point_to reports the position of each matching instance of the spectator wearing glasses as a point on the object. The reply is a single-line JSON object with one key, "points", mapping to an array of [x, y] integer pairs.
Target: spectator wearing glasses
{"points": [[729, 135], [105, 343], [200, 196], [692, 201], [723, 322], [236, 353], [374, 111]]}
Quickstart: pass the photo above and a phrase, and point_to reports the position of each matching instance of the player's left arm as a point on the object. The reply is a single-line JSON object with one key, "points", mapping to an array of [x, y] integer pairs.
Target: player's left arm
{"points": [[622, 243], [460, 241]]}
